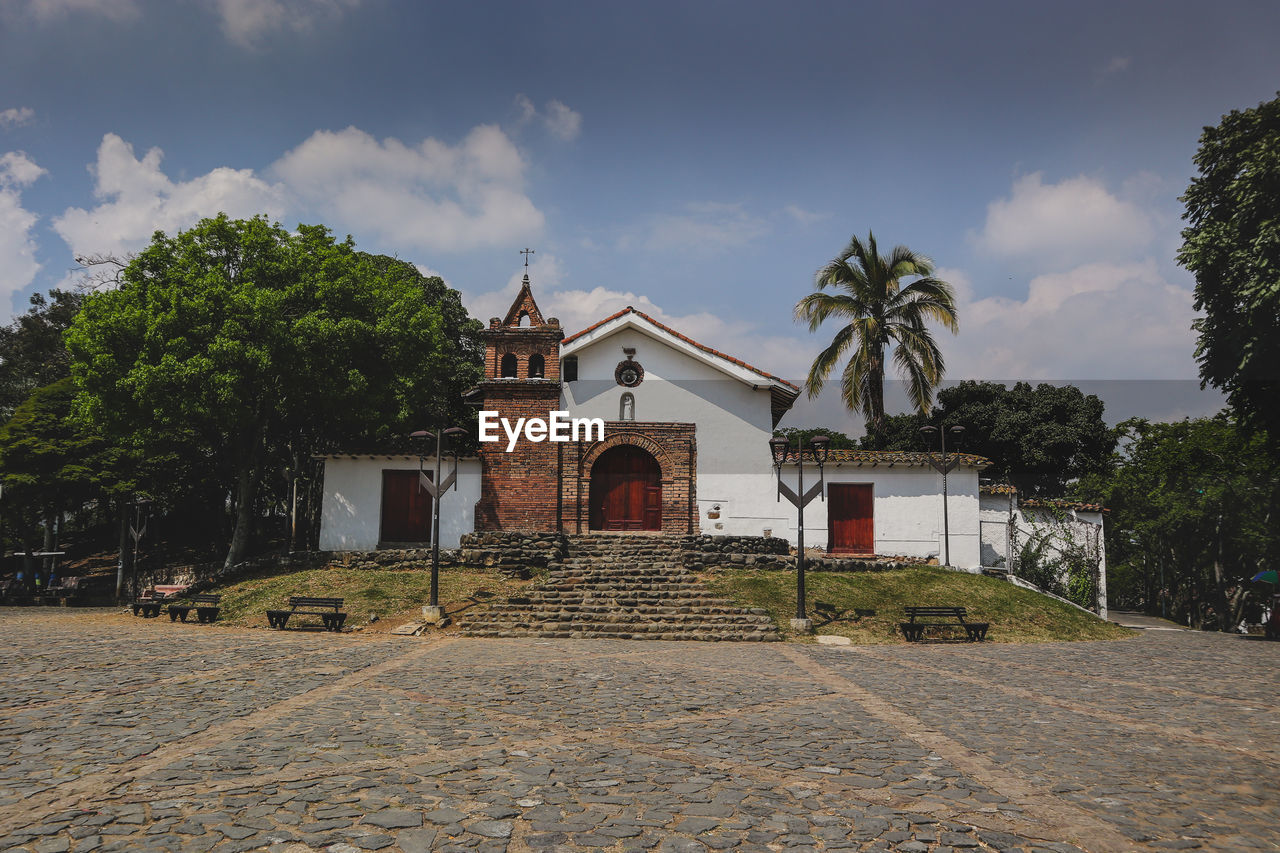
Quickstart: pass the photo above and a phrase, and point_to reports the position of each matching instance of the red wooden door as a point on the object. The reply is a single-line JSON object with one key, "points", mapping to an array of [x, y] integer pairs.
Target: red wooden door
{"points": [[850, 525], [626, 490], [406, 508]]}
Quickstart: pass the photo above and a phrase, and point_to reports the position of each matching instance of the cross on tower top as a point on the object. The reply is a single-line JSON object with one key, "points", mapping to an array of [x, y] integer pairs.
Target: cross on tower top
{"points": [[527, 253]]}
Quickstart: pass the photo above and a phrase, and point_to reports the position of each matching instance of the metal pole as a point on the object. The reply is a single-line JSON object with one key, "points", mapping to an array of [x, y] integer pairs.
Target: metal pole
{"points": [[435, 528], [293, 511], [946, 527], [800, 614], [133, 569], [124, 524]]}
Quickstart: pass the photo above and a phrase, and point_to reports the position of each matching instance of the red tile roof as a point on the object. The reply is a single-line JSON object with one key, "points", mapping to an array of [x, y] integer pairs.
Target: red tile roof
{"points": [[899, 457], [1060, 503], [685, 338]]}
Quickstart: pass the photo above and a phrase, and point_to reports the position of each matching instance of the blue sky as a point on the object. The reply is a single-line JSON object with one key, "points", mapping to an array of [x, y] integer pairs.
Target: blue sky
{"points": [[696, 160]]}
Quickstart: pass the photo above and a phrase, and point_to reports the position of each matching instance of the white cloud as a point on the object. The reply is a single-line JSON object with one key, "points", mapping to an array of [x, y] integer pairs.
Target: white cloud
{"points": [[16, 116], [804, 217], [18, 170], [247, 22], [137, 198], [1060, 225], [45, 11], [1098, 321], [562, 122], [429, 195], [578, 308], [18, 266], [708, 226], [1117, 65], [527, 110]]}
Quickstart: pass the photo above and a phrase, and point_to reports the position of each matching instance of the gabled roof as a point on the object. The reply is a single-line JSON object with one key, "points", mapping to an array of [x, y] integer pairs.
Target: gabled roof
{"points": [[619, 321], [524, 304], [781, 392]]}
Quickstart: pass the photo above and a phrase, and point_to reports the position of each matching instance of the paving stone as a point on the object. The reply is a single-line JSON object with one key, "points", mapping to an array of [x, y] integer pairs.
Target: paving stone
{"points": [[491, 828], [394, 819], [571, 744]]}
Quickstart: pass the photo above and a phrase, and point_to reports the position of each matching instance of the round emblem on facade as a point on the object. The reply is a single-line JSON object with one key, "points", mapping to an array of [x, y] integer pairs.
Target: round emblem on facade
{"points": [[629, 373]]}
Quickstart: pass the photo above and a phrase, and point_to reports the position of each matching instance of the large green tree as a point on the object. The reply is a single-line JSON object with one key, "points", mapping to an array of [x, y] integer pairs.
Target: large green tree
{"points": [[1041, 438], [52, 464], [1193, 508], [32, 354], [885, 304], [257, 346], [1232, 246]]}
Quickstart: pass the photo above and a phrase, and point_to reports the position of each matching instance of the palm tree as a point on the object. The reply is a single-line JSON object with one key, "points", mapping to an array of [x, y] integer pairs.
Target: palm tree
{"points": [[878, 309]]}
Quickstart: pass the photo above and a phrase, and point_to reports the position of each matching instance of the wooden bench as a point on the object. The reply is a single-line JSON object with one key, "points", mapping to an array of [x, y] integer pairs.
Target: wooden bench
{"points": [[205, 604], [13, 592], [918, 620], [151, 600], [65, 592], [148, 604], [328, 609]]}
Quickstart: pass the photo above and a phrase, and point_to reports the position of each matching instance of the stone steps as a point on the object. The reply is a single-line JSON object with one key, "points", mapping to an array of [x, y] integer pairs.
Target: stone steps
{"points": [[631, 587]]}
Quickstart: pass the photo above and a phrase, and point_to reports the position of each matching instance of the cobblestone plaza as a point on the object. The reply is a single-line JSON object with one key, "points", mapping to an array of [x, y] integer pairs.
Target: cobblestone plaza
{"points": [[125, 734]]}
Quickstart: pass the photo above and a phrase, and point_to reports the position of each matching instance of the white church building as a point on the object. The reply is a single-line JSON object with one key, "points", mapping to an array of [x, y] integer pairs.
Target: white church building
{"points": [[685, 449]]}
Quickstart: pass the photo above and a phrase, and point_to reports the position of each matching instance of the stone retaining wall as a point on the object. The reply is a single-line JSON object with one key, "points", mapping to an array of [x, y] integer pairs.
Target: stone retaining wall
{"points": [[700, 561], [520, 553]]}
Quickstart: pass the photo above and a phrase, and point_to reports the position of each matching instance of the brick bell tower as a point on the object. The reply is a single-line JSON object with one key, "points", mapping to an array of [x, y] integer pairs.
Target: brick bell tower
{"points": [[520, 490]]}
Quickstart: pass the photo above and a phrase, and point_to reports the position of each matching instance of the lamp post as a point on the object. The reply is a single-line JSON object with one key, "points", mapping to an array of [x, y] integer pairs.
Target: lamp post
{"points": [[436, 488], [943, 465], [780, 449], [137, 530]]}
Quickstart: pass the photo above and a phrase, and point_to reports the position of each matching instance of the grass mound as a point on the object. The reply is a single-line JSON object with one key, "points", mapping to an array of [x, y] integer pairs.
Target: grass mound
{"points": [[394, 597], [866, 607]]}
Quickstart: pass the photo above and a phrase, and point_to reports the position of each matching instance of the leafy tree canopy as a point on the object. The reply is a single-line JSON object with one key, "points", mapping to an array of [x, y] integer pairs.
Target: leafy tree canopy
{"points": [[884, 304], [32, 353], [1039, 438], [839, 441], [1193, 502], [1232, 246], [50, 462], [262, 346]]}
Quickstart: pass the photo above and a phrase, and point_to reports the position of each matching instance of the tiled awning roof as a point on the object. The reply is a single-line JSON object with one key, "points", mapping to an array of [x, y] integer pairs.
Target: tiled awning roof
{"points": [[896, 458], [1061, 503]]}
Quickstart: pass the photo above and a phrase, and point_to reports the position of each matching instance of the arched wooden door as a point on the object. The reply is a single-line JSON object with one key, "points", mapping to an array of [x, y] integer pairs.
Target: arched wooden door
{"points": [[626, 490]]}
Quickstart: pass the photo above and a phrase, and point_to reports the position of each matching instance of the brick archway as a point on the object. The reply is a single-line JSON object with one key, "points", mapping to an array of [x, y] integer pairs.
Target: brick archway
{"points": [[633, 439], [625, 492], [671, 445]]}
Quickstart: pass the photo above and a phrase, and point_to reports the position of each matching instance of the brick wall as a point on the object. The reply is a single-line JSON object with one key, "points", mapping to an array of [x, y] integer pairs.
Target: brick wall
{"points": [[545, 486], [673, 445], [519, 490]]}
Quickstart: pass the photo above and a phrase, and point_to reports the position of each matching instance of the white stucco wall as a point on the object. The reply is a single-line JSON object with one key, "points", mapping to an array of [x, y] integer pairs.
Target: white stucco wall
{"points": [[1080, 528], [906, 510], [351, 513], [732, 415], [736, 482]]}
